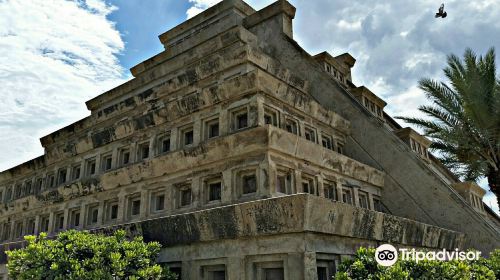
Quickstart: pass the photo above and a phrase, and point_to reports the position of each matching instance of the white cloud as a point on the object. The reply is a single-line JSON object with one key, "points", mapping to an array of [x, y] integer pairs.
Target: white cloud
{"points": [[489, 198], [406, 103], [199, 6], [349, 25], [396, 43], [54, 55]]}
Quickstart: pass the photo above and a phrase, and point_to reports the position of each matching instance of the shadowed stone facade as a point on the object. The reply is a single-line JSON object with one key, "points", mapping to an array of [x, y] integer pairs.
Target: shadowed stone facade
{"points": [[246, 158]]}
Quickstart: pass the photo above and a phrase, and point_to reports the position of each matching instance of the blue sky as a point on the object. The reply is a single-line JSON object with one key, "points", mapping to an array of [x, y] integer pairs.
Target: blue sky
{"points": [[140, 22], [57, 54]]}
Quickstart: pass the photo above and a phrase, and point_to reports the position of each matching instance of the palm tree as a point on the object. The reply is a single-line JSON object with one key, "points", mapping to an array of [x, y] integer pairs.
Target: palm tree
{"points": [[464, 123]]}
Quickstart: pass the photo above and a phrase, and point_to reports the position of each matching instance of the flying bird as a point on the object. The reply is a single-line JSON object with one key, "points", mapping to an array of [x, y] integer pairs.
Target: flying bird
{"points": [[441, 13]]}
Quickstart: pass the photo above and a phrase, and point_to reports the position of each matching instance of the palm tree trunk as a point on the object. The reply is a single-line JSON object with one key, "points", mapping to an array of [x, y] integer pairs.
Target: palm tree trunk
{"points": [[494, 181]]}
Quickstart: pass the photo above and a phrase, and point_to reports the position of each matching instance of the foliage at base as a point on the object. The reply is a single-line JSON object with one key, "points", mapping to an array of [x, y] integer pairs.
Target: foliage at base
{"points": [[83, 255], [364, 267]]}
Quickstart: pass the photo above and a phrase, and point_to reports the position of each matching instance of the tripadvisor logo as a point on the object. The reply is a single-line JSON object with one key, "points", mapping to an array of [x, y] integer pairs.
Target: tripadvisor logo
{"points": [[387, 255]]}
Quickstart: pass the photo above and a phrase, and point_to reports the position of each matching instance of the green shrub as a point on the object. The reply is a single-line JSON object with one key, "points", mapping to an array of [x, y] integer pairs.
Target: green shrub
{"points": [[363, 266], [83, 255]]}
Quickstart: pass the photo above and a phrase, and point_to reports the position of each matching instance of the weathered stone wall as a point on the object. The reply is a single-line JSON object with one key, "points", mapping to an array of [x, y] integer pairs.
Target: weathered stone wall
{"points": [[293, 229], [411, 189], [254, 147]]}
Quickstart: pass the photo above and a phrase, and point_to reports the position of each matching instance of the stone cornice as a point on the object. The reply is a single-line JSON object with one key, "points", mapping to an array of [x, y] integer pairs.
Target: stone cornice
{"points": [[289, 214]]}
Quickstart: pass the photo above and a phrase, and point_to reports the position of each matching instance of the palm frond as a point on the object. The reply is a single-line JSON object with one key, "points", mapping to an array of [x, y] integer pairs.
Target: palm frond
{"points": [[464, 122], [442, 115], [442, 95], [428, 126]]}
